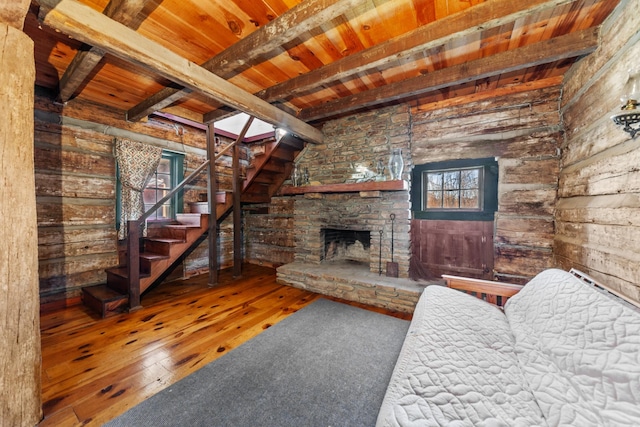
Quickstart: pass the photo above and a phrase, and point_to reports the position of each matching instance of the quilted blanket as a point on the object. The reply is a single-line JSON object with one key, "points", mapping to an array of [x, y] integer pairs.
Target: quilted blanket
{"points": [[562, 354], [579, 349], [458, 367]]}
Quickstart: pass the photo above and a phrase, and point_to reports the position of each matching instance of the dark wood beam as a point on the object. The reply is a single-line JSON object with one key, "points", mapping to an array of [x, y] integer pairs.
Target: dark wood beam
{"points": [[213, 206], [479, 17], [253, 48], [562, 47], [126, 12], [237, 193], [85, 24]]}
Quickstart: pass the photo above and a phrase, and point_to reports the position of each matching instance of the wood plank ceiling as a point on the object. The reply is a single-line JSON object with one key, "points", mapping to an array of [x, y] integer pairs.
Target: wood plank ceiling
{"points": [[312, 59]]}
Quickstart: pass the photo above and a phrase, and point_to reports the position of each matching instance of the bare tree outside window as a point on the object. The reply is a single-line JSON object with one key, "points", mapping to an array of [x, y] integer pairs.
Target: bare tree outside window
{"points": [[453, 189]]}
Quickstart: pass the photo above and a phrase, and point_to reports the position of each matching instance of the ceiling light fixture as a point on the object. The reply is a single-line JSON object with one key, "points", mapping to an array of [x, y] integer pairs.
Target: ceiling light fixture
{"points": [[630, 114], [280, 133]]}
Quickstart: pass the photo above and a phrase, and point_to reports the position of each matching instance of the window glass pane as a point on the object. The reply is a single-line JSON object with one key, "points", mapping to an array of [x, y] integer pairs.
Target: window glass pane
{"points": [[451, 180], [434, 181], [163, 181], [434, 199], [450, 200], [470, 199], [164, 166], [149, 197], [470, 178]]}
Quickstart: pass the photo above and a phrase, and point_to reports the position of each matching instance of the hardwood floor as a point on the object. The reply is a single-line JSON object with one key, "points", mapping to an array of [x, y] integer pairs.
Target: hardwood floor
{"points": [[95, 369]]}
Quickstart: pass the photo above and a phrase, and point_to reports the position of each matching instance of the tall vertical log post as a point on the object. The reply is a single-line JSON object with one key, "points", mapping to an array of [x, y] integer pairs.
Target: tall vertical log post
{"points": [[237, 218], [237, 193], [20, 353], [213, 206]]}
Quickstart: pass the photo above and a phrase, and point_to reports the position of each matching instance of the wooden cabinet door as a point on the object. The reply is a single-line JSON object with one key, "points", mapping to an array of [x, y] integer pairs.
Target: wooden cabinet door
{"points": [[462, 248]]}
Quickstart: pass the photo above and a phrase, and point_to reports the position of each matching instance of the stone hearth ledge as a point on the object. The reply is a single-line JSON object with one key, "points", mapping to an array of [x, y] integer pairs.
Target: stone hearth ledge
{"points": [[354, 282]]}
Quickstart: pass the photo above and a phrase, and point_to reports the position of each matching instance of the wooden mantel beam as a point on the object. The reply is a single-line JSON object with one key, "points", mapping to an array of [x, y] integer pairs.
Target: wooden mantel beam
{"points": [[544, 52], [247, 51], [125, 12], [89, 26]]}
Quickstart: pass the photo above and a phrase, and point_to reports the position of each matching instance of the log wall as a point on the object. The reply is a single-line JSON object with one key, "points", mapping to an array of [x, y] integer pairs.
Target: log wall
{"points": [[597, 215], [521, 127], [75, 187]]}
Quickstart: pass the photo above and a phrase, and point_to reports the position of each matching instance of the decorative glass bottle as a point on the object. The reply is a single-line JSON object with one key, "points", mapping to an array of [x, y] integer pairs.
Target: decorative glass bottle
{"points": [[396, 164], [295, 175]]}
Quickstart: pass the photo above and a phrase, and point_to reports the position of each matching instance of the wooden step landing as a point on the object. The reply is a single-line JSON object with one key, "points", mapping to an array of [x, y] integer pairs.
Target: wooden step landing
{"points": [[104, 300]]}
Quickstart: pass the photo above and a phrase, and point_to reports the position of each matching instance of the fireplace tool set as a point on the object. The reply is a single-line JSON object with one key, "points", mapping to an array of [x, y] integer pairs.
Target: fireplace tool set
{"points": [[392, 267]]}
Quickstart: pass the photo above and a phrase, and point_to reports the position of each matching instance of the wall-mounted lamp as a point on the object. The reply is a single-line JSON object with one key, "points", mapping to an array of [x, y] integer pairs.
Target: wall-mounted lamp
{"points": [[280, 133], [630, 112]]}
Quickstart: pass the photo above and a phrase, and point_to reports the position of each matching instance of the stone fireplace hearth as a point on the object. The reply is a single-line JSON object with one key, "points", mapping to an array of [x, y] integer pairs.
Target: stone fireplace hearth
{"points": [[341, 252]]}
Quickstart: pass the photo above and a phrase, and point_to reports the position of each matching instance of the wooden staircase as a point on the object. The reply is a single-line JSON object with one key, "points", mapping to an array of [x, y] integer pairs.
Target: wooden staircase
{"points": [[267, 172], [166, 244]]}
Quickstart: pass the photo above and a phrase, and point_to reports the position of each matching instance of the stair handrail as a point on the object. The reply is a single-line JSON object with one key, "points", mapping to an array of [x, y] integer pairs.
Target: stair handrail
{"points": [[133, 231], [183, 183]]}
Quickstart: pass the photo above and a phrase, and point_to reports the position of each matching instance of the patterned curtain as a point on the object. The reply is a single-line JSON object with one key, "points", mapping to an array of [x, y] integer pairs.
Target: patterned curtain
{"points": [[136, 162]]}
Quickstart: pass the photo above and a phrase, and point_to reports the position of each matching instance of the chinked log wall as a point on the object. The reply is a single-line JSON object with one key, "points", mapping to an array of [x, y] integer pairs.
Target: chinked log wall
{"points": [[519, 125], [76, 194], [598, 213]]}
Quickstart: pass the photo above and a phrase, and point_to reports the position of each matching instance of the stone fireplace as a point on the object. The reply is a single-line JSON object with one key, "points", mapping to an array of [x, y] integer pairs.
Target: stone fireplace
{"points": [[340, 250], [337, 200]]}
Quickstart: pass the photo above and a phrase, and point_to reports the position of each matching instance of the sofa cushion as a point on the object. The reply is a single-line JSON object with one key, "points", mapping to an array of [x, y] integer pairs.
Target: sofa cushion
{"points": [[457, 367], [579, 349]]}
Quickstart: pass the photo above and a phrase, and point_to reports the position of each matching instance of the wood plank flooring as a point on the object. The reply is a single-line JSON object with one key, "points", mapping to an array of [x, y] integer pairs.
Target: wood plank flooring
{"points": [[95, 369]]}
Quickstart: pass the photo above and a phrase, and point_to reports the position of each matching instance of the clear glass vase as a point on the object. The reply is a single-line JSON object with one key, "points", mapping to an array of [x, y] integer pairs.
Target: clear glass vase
{"points": [[396, 164]]}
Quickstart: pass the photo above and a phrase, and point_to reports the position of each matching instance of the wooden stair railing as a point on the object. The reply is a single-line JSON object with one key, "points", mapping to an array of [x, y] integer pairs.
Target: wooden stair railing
{"points": [[124, 282], [167, 243]]}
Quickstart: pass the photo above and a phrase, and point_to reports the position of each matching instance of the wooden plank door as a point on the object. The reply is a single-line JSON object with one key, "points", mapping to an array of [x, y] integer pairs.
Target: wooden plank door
{"points": [[452, 247]]}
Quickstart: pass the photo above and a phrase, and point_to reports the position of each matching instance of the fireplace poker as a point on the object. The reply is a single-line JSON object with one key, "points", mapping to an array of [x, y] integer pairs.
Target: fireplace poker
{"points": [[392, 267], [380, 256]]}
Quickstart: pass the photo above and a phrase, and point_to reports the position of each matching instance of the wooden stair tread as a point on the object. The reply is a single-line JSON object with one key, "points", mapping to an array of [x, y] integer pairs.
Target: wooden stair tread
{"points": [[153, 256], [181, 226], [164, 240], [123, 272], [104, 293]]}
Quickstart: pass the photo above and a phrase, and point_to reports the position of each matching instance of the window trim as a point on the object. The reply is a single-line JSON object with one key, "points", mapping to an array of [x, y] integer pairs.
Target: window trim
{"points": [[489, 191]]}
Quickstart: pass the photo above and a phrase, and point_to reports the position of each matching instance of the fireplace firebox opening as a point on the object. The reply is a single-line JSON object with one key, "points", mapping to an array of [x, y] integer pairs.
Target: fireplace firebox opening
{"points": [[346, 245]]}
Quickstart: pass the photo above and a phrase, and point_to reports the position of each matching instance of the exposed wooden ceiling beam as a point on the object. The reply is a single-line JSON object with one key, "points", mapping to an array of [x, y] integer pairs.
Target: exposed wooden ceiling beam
{"points": [[482, 16], [126, 12], [85, 24], [252, 49], [562, 47]]}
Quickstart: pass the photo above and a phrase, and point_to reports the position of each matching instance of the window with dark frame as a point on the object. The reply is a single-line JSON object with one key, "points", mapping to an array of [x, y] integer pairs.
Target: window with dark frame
{"points": [[457, 189]]}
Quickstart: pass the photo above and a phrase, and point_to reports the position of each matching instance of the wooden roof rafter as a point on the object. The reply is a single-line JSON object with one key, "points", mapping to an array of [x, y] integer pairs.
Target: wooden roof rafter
{"points": [[485, 15], [568, 46], [126, 12], [250, 50], [85, 24]]}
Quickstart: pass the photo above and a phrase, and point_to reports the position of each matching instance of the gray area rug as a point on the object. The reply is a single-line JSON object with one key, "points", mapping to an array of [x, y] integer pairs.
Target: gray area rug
{"points": [[326, 365]]}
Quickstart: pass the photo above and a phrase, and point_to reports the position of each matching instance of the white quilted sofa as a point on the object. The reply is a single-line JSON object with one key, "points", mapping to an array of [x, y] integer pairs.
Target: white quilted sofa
{"points": [[562, 353]]}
